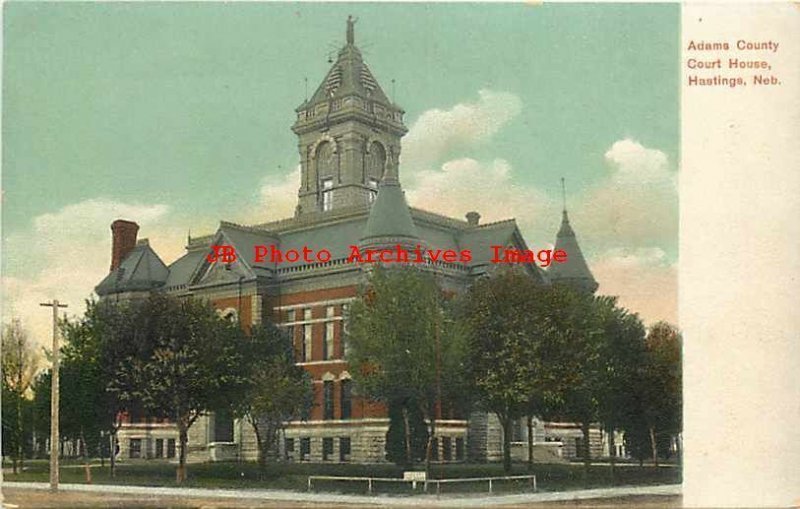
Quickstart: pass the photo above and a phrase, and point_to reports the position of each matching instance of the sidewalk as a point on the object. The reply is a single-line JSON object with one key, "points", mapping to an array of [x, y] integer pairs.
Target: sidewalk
{"points": [[381, 500]]}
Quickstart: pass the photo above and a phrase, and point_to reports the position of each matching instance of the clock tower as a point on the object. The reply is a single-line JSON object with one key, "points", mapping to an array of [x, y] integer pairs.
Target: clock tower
{"points": [[347, 132]]}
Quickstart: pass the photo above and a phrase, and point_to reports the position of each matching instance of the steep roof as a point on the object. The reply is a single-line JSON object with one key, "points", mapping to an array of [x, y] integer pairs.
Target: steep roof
{"points": [[349, 76], [141, 270], [574, 272], [390, 219]]}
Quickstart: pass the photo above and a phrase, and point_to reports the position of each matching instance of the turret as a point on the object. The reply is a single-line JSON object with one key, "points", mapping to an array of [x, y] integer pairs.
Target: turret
{"points": [[574, 272]]}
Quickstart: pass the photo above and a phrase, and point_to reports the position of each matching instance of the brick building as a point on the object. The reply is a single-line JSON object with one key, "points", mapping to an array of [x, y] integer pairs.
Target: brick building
{"points": [[349, 136]]}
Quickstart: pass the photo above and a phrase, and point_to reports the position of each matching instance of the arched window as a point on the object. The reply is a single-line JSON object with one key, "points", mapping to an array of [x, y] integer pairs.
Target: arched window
{"points": [[326, 168], [376, 161], [326, 160]]}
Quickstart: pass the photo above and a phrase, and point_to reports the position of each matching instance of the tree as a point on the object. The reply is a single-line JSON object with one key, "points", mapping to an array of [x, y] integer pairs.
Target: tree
{"points": [[399, 337], [661, 385], [19, 365], [187, 360], [508, 338], [95, 349], [582, 324], [623, 357], [277, 390]]}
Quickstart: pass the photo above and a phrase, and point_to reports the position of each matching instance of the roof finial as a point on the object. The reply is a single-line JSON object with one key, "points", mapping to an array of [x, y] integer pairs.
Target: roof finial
{"points": [[564, 194], [351, 36]]}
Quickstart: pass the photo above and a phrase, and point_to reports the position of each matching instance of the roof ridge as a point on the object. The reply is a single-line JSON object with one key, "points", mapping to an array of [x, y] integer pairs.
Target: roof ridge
{"points": [[245, 228], [498, 222]]}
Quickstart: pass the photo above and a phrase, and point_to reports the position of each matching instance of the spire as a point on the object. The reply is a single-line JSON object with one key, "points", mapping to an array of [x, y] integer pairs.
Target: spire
{"points": [[390, 220], [575, 271], [349, 76], [351, 36]]}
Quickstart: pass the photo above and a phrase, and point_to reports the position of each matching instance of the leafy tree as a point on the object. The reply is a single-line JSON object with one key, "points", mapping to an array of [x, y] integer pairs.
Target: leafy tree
{"points": [[623, 357], [96, 347], [19, 365], [583, 360], [399, 338], [661, 385], [277, 390], [509, 338], [187, 360]]}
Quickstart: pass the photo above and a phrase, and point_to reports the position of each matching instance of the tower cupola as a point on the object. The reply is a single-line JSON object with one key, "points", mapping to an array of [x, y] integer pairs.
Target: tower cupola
{"points": [[347, 131]]}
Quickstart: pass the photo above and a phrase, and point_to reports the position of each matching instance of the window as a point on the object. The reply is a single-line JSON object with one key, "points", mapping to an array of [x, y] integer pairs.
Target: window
{"points": [[346, 398], [171, 448], [135, 448], [435, 449], [290, 318], [373, 188], [327, 449], [459, 448], [307, 339], [305, 449], [327, 335], [447, 451], [343, 335], [223, 426], [327, 398], [344, 449], [159, 452], [327, 194], [288, 448]]}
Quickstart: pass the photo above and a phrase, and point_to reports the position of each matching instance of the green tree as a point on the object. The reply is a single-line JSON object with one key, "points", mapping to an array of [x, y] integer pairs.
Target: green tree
{"points": [[622, 360], [187, 361], [277, 390], [19, 366], [509, 337], [399, 337], [580, 322], [96, 347], [661, 385]]}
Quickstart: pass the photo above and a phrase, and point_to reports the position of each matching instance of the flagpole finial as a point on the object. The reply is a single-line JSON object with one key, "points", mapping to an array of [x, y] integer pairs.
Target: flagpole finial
{"points": [[351, 35]]}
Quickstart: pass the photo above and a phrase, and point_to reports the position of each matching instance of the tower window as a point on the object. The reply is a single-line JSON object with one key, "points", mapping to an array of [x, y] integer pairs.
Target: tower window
{"points": [[372, 183], [327, 194]]}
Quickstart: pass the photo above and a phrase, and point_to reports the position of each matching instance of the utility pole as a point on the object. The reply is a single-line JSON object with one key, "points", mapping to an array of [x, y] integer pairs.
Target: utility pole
{"points": [[54, 436]]}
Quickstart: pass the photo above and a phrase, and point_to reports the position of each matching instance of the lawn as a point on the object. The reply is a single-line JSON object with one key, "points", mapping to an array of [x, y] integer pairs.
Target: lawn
{"points": [[294, 476]]}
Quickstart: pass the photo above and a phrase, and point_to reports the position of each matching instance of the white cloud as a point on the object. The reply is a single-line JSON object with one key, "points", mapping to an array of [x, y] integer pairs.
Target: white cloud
{"points": [[71, 251], [279, 196], [437, 133], [636, 206], [462, 185], [625, 223]]}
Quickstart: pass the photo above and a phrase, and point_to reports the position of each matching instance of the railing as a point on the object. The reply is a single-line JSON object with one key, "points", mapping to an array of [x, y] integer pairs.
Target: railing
{"points": [[371, 481]]}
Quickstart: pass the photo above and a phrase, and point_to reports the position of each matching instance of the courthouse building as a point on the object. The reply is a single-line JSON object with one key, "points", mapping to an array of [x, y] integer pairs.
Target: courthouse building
{"points": [[349, 138]]}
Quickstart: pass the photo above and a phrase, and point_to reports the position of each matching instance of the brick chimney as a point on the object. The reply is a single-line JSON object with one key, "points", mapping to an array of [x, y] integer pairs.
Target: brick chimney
{"points": [[473, 218], [123, 239]]}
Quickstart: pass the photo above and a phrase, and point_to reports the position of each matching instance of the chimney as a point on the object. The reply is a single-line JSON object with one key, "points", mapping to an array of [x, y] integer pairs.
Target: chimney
{"points": [[473, 218], [123, 240]]}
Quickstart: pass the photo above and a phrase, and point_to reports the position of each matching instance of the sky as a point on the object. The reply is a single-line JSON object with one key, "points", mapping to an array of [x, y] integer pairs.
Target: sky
{"points": [[178, 115]]}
